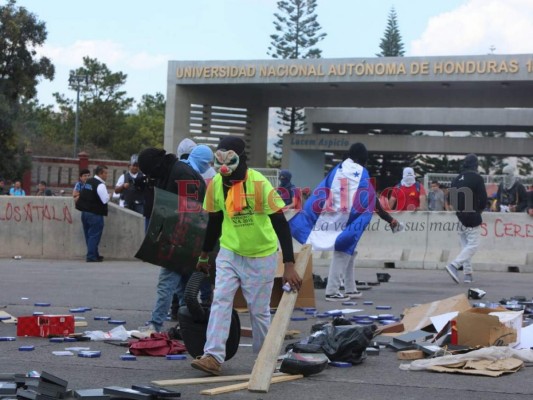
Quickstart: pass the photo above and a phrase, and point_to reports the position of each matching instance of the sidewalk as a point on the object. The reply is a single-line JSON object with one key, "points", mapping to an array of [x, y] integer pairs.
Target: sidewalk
{"points": [[126, 290]]}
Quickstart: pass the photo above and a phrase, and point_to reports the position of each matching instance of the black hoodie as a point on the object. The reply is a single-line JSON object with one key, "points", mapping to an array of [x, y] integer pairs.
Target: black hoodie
{"points": [[467, 194]]}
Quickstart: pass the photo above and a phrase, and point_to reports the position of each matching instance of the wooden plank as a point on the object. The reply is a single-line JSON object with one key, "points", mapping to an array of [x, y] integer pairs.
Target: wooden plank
{"points": [[410, 355], [208, 379], [266, 360], [244, 385], [11, 320]]}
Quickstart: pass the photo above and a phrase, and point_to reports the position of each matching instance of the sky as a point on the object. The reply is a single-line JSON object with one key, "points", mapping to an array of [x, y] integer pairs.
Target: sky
{"points": [[138, 37]]}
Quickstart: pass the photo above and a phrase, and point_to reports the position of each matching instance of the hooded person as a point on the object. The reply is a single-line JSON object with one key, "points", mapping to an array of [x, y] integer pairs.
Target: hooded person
{"points": [[511, 195], [468, 197], [184, 179], [286, 188], [245, 216], [335, 216], [408, 195], [185, 148]]}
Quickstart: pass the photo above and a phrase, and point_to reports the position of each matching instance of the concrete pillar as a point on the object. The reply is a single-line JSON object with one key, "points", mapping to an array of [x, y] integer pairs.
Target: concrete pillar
{"points": [[177, 114], [259, 136], [83, 161], [306, 166]]}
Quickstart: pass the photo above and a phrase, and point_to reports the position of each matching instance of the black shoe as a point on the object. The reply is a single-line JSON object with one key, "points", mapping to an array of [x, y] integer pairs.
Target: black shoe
{"points": [[91, 260], [100, 258]]}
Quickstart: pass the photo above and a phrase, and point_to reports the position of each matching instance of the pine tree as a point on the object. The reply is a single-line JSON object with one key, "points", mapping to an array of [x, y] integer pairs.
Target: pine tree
{"points": [[388, 168], [391, 44], [296, 37]]}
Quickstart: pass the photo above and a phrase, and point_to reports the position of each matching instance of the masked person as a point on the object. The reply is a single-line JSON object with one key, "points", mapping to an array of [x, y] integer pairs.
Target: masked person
{"points": [[512, 195], [408, 195], [245, 214], [335, 216], [183, 179], [468, 197], [286, 189]]}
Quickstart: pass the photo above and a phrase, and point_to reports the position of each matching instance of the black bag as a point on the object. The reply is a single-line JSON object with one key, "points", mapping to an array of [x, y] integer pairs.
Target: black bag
{"points": [[345, 343]]}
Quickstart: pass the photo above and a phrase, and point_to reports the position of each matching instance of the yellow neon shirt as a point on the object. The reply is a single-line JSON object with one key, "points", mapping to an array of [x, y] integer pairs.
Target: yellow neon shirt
{"points": [[248, 232]]}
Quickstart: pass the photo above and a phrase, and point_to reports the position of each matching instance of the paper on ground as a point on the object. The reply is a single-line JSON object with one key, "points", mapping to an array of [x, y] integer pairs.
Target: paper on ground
{"points": [[440, 321]]}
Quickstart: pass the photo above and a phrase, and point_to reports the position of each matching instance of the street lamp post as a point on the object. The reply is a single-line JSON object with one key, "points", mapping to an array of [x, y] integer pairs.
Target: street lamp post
{"points": [[76, 82]]}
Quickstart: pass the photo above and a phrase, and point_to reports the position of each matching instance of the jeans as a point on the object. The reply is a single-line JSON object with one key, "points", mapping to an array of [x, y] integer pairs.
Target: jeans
{"points": [[170, 282], [93, 226]]}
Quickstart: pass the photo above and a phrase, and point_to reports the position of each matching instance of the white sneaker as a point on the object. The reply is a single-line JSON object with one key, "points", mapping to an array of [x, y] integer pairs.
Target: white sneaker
{"points": [[354, 295], [468, 278], [336, 297]]}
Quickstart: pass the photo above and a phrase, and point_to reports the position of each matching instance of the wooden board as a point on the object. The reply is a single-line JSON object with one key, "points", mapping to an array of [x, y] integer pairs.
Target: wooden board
{"points": [[410, 355], [210, 379], [266, 360], [80, 323], [244, 385], [11, 320]]}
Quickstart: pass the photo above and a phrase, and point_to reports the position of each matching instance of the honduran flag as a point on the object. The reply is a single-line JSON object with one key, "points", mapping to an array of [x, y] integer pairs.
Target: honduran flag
{"points": [[338, 210]]}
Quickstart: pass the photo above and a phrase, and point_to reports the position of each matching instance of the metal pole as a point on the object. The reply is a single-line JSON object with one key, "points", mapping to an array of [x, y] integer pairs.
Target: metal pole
{"points": [[77, 124]]}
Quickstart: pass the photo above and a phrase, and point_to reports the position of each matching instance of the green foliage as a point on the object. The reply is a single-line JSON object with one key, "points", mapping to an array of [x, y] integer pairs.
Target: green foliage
{"points": [[296, 37], [20, 34], [145, 127], [391, 44], [297, 31]]}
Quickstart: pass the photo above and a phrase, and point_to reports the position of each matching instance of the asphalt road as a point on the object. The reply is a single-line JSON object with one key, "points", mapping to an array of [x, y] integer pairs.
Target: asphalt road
{"points": [[126, 290]]}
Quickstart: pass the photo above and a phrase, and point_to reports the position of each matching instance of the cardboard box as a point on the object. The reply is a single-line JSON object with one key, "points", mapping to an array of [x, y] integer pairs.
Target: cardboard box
{"points": [[45, 325], [487, 327], [306, 295], [418, 317]]}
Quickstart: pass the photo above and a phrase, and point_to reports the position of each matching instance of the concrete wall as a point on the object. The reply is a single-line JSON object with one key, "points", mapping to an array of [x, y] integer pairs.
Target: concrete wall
{"points": [[430, 241], [50, 227]]}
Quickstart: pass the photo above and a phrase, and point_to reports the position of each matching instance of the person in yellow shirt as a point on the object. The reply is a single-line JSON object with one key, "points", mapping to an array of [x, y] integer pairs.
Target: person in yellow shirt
{"points": [[245, 214]]}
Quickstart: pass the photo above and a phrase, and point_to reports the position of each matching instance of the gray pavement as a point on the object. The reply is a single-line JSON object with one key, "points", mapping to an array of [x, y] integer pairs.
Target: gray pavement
{"points": [[126, 290]]}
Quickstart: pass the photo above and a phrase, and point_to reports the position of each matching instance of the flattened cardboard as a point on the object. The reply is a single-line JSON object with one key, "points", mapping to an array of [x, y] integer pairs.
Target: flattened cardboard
{"points": [[482, 367], [306, 295], [418, 317], [475, 327]]}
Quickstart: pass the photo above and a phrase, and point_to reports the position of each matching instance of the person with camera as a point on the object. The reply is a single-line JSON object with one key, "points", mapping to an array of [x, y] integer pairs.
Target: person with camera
{"points": [[131, 186]]}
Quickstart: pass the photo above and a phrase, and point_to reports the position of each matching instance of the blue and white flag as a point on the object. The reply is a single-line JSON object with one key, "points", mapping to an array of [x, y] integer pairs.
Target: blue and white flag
{"points": [[338, 210]]}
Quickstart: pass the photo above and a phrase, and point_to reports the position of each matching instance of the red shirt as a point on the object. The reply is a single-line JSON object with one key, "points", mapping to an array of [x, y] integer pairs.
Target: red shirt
{"points": [[408, 197]]}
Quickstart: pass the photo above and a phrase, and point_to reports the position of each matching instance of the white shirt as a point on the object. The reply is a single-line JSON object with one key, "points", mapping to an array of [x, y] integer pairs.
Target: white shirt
{"points": [[102, 191]]}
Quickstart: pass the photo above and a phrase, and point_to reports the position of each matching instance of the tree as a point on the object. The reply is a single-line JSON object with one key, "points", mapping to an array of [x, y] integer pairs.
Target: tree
{"points": [[20, 34], [391, 44], [103, 107], [297, 34], [388, 168], [145, 127]]}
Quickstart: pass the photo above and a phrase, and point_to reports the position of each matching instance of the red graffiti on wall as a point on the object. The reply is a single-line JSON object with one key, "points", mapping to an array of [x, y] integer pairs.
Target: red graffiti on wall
{"points": [[512, 229], [38, 213]]}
